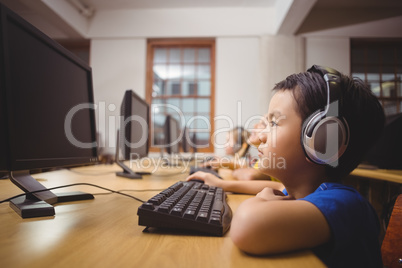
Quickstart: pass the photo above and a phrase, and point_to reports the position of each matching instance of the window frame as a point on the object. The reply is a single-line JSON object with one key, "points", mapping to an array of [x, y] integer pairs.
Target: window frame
{"points": [[182, 43]]}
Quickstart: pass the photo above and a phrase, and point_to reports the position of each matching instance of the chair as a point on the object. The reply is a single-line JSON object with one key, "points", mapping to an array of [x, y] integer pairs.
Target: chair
{"points": [[391, 248]]}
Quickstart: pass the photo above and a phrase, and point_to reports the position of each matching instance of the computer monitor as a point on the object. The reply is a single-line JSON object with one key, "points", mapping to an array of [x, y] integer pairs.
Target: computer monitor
{"points": [[189, 142], [132, 138], [47, 116], [387, 152], [172, 135]]}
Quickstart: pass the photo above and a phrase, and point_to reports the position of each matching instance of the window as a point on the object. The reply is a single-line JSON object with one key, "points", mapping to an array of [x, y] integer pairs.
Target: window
{"points": [[180, 82], [379, 64]]}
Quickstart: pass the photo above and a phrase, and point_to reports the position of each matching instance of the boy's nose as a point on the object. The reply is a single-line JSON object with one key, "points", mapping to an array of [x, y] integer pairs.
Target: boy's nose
{"points": [[262, 137]]}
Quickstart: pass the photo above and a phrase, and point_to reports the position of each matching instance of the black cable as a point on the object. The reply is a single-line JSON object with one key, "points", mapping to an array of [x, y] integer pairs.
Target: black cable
{"points": [[77, 184], [111, 172]]}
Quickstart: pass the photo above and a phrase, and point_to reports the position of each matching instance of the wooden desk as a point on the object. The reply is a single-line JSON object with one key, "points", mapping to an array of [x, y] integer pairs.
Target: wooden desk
{"points": [[379, 174], [380, 187], [104, 232]]}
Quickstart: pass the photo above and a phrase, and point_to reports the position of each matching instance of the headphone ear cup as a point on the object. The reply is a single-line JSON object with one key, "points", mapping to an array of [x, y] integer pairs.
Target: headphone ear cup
{"points": [[307, 141], [324, 139]]}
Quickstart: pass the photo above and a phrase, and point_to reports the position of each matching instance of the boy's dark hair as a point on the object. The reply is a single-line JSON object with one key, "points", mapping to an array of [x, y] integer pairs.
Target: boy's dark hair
{"points": [[360, 108]]}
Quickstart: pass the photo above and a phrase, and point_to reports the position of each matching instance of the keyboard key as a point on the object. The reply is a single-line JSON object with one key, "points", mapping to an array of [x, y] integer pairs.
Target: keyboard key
{"points": [[147, 205], [202, 216], [177, 211], [218, 206], [189, 214], [164, 209], [216, 220]]}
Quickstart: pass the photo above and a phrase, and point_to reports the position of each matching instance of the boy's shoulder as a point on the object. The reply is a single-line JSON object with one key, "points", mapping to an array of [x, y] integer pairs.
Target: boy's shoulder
{"points": [[337, 196], [353, 222]]}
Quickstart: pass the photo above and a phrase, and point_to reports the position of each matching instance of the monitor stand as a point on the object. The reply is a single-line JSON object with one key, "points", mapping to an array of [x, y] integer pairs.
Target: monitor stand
{"points": [[39, 204], [127, 172]]}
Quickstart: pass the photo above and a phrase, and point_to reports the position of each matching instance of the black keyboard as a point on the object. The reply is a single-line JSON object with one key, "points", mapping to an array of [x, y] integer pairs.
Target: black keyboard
{"points": [[190, 205]]}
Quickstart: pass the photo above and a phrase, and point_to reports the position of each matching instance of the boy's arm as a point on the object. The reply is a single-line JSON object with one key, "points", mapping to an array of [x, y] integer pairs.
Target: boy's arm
{"points": [[249, 173], [221, 162], [244, 187], [270, 223]]}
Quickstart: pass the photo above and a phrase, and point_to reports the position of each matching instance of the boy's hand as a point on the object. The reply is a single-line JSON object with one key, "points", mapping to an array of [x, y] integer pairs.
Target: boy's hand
{"points": [[207, 178]]}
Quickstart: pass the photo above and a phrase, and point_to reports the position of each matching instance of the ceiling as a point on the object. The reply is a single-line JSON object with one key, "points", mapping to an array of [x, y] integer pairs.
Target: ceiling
{"points": [[142, 4], [328, 14], [325, 14]]}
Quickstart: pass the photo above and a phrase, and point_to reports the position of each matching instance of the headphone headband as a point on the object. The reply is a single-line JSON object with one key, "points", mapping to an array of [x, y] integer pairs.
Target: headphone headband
{"points": [[332, 78]]}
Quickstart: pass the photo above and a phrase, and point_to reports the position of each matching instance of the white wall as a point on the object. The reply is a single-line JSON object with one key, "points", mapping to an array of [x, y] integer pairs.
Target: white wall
{"points": [[247, 70], [182, 22], [237, 91], [333, 52], [117, 65], [283, 55]]}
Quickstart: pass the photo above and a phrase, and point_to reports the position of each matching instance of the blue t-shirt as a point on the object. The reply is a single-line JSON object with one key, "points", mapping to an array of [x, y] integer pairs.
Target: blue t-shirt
{"points": [[354, 227]]}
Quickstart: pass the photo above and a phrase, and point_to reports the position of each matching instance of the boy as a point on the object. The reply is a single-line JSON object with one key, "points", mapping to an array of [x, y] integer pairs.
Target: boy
{"points": [[308, 208]]}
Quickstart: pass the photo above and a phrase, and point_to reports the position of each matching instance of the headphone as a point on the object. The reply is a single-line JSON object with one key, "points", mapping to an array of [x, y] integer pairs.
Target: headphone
{"points": [[325, 134]]}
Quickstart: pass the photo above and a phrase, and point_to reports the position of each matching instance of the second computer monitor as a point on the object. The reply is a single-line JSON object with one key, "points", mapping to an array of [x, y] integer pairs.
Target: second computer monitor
{"points": [[132, 138], [189, 141], [134, 124], [172, 134]]}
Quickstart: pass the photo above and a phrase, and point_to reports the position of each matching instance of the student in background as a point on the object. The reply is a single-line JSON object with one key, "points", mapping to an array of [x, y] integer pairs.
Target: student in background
{"points": [[309, 208], [236, 151]]}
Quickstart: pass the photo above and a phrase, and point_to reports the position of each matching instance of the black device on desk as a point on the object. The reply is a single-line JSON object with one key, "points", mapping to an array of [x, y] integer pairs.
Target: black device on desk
{"points": [[132, 138], [190, 205], [189, 144], [167, 135], [47, 112]]}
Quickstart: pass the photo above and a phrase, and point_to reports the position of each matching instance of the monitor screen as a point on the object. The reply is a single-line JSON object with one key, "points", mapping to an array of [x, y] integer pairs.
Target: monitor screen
{"points": [[48, 112], [48, 98], [134, 142], [133, 135], [188, 142], [172, 135]]}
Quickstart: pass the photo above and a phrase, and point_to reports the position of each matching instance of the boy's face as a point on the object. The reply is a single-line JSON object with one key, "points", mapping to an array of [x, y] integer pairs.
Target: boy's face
{"points": [[280, 150], [253, 137]]}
